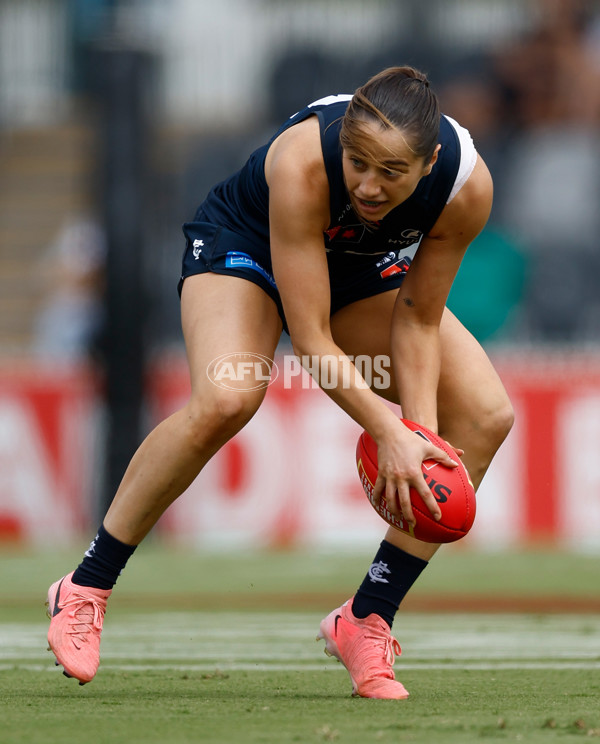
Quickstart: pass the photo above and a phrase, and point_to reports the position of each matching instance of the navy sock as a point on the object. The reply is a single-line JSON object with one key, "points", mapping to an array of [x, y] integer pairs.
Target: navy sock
{"points": [[390, 576], [103, 561]]}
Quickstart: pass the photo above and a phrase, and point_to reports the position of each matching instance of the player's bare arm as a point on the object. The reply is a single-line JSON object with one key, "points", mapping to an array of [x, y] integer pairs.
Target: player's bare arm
{"points": [[420, 304], [424, 293]]}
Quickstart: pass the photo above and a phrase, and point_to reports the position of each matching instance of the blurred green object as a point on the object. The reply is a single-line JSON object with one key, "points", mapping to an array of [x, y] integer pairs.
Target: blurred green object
{"points": [[489, 286]]}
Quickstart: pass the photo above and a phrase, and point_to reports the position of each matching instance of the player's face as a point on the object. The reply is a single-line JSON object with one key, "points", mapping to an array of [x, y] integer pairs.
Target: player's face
{"points": [[387, 176]]}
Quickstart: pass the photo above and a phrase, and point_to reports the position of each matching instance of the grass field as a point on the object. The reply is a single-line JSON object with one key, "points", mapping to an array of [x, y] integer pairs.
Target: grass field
{"points": [[217, 649]]}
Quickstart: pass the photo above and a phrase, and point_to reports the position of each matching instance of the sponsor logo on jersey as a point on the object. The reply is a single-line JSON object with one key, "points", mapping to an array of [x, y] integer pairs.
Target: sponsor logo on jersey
{"points": [[400, 267], [406, 237], [390, 257]]}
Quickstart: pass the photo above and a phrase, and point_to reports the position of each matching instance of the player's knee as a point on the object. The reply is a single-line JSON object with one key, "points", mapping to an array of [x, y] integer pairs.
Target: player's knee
{"points": [[216, 419], [491, 428], [501, 421], [233, 409], [483, 430]]}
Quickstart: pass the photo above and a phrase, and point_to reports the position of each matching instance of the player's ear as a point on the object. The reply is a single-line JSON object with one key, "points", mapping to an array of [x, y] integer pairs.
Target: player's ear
{"points": [[432, 162]]}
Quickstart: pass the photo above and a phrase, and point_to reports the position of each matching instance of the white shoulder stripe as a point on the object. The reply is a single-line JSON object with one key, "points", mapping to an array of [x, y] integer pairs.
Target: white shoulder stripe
{"points": [[331, 99], [327, 101], [468, 157]]}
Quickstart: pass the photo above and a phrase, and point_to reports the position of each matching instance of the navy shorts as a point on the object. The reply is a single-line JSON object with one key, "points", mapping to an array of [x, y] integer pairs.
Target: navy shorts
{"points": [[352, 277]]}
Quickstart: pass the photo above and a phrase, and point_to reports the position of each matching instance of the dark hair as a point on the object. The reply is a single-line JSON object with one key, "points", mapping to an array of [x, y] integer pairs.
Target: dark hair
{"points": [[399, 98]]}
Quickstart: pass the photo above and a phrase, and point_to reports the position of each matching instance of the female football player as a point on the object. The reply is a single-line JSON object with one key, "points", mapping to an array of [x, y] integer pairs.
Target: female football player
{"points": [[317, 234]]}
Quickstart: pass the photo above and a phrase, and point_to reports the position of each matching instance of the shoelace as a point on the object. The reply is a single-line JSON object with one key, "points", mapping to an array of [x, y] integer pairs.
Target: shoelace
{"points": [[83, 620], [386, 646]]}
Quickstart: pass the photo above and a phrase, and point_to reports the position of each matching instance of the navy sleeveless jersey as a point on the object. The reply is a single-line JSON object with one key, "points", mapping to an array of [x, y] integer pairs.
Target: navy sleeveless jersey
{"points": [[241, 202]]}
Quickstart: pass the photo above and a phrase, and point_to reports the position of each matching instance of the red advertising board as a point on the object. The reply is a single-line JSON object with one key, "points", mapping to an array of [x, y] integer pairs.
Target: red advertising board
{"points": [[289, 477], [49, 441]]}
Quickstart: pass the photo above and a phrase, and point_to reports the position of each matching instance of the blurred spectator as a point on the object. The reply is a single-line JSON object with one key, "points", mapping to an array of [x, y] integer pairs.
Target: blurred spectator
{"points": [[472, 97], [488, 292], [550, 85], [551, 200], [71, 318], [552, 73]]}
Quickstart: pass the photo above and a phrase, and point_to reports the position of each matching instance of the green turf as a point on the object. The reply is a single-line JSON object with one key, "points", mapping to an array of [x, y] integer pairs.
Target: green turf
{"points": [[173, 671], [158, 706]]}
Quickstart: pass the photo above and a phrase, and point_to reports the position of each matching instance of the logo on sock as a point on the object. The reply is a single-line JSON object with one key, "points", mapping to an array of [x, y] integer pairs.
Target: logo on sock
{"points": [[90, 551], [377, 571]]}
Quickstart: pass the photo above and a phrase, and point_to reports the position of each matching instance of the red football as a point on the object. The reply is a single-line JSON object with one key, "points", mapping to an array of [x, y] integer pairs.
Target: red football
{"points": [[451, 487]]}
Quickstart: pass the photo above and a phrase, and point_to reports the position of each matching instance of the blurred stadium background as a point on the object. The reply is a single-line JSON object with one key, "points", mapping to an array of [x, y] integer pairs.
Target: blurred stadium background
{"points": [[116, 116]]}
